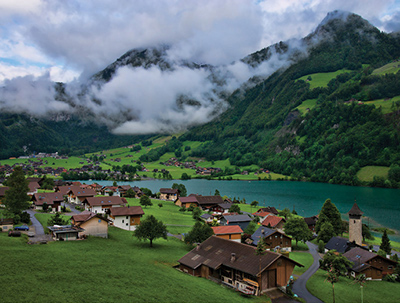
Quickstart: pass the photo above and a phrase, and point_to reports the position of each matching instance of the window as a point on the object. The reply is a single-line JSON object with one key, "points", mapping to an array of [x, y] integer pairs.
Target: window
{"points": [[5, 227], [99, 220], [126, 217], [390, 267], [126, 224], [123, 221]]}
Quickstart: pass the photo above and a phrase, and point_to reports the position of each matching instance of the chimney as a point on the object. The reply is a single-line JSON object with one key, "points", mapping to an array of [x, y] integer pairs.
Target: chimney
{"points": [[233, 257], [198, 247], [262, 231]]}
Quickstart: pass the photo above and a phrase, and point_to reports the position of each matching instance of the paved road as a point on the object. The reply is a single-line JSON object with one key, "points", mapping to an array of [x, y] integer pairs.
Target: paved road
{"points": [[299, 286], [38, 227], [72, 208], [376, 248]]}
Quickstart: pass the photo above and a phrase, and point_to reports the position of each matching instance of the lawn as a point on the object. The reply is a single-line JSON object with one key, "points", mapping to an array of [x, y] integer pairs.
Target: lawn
{"points": [[367, 173], [117, 269], [345, 291], [304, 258], [387, 105], [322, 79], [390, 68], [306, 105], [44, 217]]}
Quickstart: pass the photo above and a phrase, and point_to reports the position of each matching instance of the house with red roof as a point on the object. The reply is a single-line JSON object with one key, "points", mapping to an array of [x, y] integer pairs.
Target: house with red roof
{"points": [[77, 195], [274, 222], [52, 200], [233, 232], [102, 205]]}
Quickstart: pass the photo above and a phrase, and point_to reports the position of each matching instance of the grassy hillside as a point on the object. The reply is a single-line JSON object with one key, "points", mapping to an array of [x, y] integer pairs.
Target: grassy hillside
{"points": [[322, 79], [368, 173], [390, 68]]}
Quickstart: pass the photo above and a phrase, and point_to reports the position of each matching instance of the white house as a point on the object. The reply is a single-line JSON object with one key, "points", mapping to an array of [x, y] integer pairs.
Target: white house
{"points": [[102, 205], [126, 217]]}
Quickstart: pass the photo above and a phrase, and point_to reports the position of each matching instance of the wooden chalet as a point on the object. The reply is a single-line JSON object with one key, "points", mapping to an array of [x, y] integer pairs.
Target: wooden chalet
{"points": [[221, 208], [236, 264], [371, 264], [273, 239], [91, 223], [242, 220], [205, 202], [233, 232], [311, 223], [77, 195], [101, 205], [6, 224], [269, 209], [274, 222], [33, 187], [169, 194], [127, 218], [52, 200], [187, 201]]}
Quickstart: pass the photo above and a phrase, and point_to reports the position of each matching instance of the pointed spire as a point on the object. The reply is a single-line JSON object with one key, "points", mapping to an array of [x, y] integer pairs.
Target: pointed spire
{"points": [[355, 210]]}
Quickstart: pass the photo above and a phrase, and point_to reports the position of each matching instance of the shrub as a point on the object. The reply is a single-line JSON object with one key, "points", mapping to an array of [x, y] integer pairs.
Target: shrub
{"points": [[321, 246]]}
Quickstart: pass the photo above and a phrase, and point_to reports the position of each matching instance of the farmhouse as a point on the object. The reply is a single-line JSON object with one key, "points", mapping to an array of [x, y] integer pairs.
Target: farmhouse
{"points": [[126, 217], [91, 223], [372, 265], [169, 194], [233, 232], [242, 220], [187, 201], [99, 205], [77, 195], [205, 202], [272, 238], [339, 244], [33, 187], [221, 208], [52, 200], [311, 222], [6, 224], [236, 264], [274, 222]]}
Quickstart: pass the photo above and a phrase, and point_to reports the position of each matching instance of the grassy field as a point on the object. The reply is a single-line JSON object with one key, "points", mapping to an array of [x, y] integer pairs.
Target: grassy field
{"points": [[305, 105], [118, 269], [346, 292], [322, 79], [367, 173], [303, 258], [387, 105], [390, 68], [44, 217]]}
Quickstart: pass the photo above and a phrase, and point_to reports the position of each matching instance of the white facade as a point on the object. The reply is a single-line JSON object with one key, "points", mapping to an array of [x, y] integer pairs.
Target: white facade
{"points": [[123, 222]]}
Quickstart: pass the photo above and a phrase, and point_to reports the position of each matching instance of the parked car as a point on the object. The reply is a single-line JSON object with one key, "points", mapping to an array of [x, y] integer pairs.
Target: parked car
{"points": [[23, 227]]}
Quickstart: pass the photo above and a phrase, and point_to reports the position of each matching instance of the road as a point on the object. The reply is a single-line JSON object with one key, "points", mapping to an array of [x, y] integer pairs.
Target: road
{"points": [[299, 286], [38, 227]]}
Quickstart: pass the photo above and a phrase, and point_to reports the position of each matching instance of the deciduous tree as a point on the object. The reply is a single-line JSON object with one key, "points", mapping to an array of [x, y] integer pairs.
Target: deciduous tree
{"points": [[298, 229], [150, 229], [16, 198], [199, 233], [234, 209], [181, 188], [145, 201]]}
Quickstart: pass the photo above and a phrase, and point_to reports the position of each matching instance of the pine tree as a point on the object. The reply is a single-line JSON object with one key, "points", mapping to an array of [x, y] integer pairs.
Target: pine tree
{"points": [[16, 198], [385, 244], [332, 215]]}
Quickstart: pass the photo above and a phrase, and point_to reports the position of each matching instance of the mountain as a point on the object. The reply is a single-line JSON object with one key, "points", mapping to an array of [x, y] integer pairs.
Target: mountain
{"points": [[333, 138]]}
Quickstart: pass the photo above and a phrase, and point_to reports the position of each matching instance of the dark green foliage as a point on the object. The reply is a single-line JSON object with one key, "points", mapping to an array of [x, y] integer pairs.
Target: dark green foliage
{"points": [[57, 220], [150, 229], [329, 213], [146, 191], [335, 261], [181, 188], [48, 183], [366, 234], [326, 232], [16, 198], [385, 243], [130, 193], [160, 205], [298, 229], [185, 176], [394, 173], [145, 201], [251, 228], [235, 208], [196, 213], [172, 145], [254, 204], [182, 209], [216, 193], [25, 217], [191, 207], [321, 246], [199, 233], [285, 213]]}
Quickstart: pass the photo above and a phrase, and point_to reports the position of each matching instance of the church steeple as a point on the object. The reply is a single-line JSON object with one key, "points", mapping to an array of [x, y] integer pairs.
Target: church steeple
{"points": [[355, 224]]}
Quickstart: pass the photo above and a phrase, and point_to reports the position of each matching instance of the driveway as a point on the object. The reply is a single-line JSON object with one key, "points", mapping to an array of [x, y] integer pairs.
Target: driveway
{"points": [[40, 236], [299, 286], [72, 208]]}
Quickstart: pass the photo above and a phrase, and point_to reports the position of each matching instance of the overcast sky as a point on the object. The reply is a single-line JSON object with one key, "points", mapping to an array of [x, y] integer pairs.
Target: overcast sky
{"points": [[55, 40], [70, 38]]}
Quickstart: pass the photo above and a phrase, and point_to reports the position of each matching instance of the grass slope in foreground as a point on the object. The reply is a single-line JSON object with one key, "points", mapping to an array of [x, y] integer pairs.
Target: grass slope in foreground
{"points": [[118, 269]]}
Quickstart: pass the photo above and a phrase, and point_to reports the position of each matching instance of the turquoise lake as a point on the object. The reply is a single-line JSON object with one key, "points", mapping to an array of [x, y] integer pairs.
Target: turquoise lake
{"points": [[381, 207]]}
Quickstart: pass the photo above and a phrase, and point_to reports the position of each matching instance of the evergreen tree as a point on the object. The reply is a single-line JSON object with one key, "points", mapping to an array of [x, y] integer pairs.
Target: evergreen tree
{"points": [[326, 232], [330, 213], [234, 209], [385, 244], [57, 220], [16, 198]]}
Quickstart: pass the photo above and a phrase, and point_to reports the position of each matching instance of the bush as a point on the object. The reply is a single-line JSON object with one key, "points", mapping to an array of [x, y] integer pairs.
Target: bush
{"points": [[390, 278], [25, 217], [321, 246]]}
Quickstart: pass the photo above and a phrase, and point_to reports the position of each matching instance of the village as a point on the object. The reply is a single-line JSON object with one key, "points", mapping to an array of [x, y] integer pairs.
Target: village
{"points": [[248, 251]]}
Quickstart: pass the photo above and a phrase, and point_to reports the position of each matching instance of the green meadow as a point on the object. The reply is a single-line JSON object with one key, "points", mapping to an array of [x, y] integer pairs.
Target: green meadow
{"points": [[303, 258], [387, 105], [116, 269], [306, 105], [322, 79], [367, 173], [389, 68]]}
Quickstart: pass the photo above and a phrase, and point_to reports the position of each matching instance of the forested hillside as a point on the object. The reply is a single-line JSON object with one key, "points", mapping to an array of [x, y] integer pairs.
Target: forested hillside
{"points": [[337, 136]]}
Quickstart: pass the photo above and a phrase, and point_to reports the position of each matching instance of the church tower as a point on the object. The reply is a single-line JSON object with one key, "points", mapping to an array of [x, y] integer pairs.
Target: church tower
{"points": [[355, 224]]}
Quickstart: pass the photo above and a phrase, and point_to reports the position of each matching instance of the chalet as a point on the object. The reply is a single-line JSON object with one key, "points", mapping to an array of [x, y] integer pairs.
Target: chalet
{"points": [[77, 195], [6, 224], [187, 201], [205, 202], [33, 187], [242, 220], [123, 189], [274, 222], [38, 180], [207, 217], [64, 189], [269, 209], [272, 238], [233, 232], [64, 232], [52, 200], [237, 265], [311, 222], [99, 205], [169, 194], [221, 208], [110, 191], [372, 265], [126, 217], [91, 223], [262, 215], [339, 244], [137, 191]]}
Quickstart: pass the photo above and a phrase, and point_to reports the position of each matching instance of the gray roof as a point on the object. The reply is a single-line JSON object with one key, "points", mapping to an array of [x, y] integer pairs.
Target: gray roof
{"points": [[338, 243], [259, 232], [237, 218]]}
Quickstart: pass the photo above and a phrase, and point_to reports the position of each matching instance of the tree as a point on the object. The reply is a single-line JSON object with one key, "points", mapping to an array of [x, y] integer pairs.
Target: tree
{"points": [[326, 232], [145, 201], [146, 191], [182, 209], [366, 234], [254, 204], [385, 243], [216, 193], [234, 209], [185, 176], [285, 213], [360, 280], [332, 215], [298, 229], [335, 261], [48, 183], [321, 246], [332, 277], [199, 233], [150, 229], [160, 205], [16, 198], [115, 183], [196, 213], [130, 193], [181, 188], [57, 220]]}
